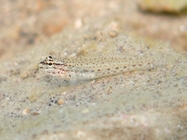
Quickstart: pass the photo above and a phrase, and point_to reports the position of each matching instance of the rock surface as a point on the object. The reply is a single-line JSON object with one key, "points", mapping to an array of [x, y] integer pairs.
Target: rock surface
{"points": [[170, 6], [148, 104]]}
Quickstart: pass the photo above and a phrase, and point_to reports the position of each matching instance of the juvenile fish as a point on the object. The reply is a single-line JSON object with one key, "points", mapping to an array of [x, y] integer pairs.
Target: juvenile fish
{"points": [[91, 67]]}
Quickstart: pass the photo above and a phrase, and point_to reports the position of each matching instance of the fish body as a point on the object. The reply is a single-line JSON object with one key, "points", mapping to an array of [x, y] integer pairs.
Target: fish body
{"points": [[91, 67]]}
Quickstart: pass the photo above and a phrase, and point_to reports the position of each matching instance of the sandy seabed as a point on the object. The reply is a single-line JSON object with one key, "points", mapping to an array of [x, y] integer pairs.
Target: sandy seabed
{"points": [[146, 104]]}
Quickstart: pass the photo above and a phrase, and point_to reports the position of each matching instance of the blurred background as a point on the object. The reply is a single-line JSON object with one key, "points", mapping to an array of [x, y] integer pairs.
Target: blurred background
{"points": [[26, 23]]}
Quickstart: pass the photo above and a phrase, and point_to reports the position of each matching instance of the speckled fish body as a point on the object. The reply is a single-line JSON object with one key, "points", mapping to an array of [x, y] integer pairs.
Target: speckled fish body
{"points": [[91, 67]]}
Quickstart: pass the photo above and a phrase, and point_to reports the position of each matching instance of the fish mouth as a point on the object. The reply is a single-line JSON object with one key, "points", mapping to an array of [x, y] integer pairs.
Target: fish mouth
{"points": [[42, 64]]}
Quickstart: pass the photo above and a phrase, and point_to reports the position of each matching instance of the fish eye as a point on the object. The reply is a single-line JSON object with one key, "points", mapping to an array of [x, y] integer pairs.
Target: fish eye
{"points": [[50, 57]]}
